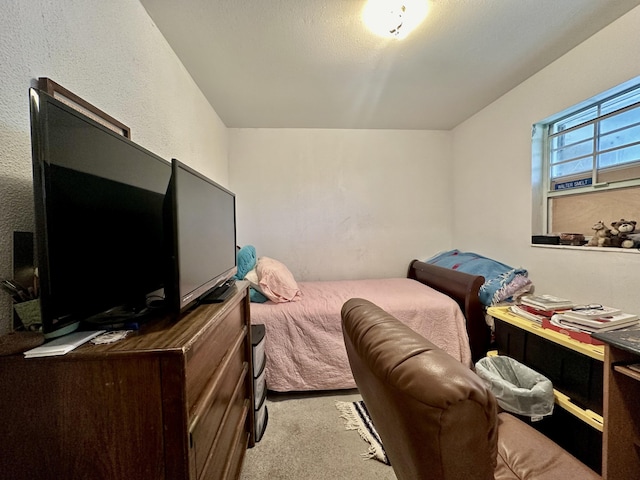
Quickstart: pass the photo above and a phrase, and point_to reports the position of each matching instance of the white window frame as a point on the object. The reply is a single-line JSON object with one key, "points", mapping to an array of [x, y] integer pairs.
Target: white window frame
{"points": [[541, 164]]}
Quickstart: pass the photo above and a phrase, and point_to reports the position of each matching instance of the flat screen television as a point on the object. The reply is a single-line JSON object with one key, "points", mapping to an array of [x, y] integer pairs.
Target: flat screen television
{"points": [[201, 219], [99, 202]]}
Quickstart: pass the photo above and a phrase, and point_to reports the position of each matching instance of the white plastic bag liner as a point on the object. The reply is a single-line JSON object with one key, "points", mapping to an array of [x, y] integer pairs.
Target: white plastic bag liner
{"points": [[517, 388]]}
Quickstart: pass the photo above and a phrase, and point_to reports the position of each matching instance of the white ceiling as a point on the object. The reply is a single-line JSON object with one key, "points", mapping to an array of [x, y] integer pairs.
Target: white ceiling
{"points": [[311, 63]]}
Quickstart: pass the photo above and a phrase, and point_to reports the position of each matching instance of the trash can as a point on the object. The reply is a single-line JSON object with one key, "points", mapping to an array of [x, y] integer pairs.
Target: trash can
{"points": [[518, 388]]}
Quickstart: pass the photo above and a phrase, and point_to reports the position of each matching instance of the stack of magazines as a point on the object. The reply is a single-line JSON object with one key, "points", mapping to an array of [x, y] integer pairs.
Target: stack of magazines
{"points": [[546, 302], [540, 307], [592, 320], [577, 321]]}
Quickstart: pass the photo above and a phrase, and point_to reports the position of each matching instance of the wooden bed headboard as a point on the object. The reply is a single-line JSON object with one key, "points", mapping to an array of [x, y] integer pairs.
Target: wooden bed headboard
{"points": [[464, 289]]}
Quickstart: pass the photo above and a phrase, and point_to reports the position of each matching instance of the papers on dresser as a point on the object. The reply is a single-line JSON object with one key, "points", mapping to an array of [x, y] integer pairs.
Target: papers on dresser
{"points": [[62, 345], [592, 325]]}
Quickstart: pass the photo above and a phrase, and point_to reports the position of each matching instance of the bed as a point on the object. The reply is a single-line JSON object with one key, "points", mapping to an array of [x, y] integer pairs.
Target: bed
{"points": [[304, 344]]}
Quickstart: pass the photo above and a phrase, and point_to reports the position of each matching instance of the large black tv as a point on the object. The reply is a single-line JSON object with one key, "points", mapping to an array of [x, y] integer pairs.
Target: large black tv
{"points": [[201, 224], [99, 218]]}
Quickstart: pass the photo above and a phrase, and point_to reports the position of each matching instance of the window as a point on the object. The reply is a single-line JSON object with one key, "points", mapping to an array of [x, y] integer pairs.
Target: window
{"points": [[586, 164]]}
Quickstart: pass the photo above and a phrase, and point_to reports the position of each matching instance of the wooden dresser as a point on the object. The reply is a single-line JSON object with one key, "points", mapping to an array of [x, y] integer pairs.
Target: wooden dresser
{"points": [[172, 401]]}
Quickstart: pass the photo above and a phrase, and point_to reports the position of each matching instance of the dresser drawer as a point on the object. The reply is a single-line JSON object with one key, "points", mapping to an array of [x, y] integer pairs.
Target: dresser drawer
{"points": [[262, 418], [234, 463], [260, 389], [257, 346], [231, 434], [208, 351], [206, 426]]}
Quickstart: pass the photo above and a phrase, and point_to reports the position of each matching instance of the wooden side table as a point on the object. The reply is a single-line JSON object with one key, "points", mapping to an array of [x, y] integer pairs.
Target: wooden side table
{"points": [[576, 371], [621, 440]]}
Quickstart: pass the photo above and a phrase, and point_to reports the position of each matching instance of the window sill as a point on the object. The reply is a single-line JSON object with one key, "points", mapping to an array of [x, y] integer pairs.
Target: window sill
{"points": [[590, 249]]}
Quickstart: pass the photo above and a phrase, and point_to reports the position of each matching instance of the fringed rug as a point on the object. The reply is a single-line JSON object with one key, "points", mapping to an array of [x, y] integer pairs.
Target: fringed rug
{"points": [[356, 417]]}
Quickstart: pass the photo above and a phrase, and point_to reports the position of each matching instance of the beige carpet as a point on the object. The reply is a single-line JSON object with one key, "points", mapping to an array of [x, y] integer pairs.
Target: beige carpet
{"points": [[306, 439]]}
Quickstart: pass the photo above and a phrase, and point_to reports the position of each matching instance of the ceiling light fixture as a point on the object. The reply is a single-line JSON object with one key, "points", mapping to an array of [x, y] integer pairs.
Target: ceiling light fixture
{"points": [[394, 18]]}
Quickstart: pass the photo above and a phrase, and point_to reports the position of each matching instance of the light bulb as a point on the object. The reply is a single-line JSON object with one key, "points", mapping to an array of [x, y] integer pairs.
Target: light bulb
{"points": [[394, 18]]}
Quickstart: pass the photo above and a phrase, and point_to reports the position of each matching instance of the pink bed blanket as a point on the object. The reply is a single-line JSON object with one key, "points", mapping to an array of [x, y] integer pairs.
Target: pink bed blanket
{"points": [[304, 343]]}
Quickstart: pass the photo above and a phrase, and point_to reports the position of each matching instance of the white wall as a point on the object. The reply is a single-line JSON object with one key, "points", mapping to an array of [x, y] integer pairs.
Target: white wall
{"points": [[341, 204], [492, 171], [112, 55]]}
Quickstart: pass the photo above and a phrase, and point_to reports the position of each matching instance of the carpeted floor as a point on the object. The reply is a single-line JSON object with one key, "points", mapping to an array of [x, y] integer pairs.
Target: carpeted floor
{"points": [[306, 439]]}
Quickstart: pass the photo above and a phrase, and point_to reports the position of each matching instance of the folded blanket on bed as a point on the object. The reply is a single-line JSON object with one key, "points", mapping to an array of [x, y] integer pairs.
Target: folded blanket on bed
{"points": [[501, 281]]}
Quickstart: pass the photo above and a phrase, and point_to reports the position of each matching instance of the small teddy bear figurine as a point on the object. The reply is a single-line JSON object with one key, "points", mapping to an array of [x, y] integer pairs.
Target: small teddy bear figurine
{"points": [[620, 231], [601, 237]]}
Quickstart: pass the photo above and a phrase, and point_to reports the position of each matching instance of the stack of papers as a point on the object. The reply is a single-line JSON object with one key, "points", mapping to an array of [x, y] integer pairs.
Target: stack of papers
{"points": [[62, 345]]}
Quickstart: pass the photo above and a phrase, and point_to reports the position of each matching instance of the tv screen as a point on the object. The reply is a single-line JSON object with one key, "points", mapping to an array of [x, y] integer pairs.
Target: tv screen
{"points": [[99, 217], [203, 239]]}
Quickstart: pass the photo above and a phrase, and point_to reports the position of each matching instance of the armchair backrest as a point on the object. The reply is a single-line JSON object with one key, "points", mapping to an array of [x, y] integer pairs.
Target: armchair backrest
{"points": [[436, 418]]}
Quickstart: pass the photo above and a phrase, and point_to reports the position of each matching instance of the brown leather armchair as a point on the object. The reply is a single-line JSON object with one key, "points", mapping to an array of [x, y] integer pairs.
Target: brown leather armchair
{"points": [[436, 417]]}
